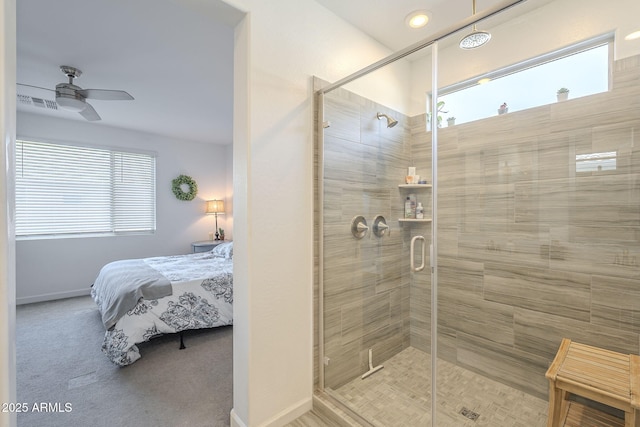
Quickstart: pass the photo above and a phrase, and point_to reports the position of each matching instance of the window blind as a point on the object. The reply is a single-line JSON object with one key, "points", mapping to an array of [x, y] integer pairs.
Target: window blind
{"points": [[69, 190]]}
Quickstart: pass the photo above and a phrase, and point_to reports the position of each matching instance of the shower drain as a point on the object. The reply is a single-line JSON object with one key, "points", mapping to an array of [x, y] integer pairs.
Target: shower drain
{"points": [[469, 413]]}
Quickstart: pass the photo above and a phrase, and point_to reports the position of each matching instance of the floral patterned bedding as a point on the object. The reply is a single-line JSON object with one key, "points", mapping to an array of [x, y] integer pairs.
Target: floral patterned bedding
{"points": [[202, 297]]}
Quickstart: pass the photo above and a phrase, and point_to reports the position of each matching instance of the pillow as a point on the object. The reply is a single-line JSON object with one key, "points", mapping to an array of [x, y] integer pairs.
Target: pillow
{"points": [[223, 250]]}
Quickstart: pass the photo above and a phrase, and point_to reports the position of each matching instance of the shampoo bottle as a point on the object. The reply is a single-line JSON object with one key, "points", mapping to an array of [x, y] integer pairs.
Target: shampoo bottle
{"points": [[407, 208], [419, 211]]}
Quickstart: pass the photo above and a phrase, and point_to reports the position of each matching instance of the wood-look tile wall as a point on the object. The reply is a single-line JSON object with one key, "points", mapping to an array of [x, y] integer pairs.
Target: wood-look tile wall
{"points": [[530, 250], [366, 281]]}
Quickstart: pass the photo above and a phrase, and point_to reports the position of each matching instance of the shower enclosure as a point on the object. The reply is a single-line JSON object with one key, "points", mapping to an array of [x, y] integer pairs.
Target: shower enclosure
{"points": [[530, 232]]}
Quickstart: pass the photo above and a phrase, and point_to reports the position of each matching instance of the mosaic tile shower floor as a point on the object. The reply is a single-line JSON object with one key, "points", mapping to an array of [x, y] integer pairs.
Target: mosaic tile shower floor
{"points": [[400, 395]]}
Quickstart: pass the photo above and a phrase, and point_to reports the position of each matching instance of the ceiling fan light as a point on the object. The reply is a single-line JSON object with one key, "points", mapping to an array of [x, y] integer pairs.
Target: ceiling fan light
{"points": [[70, 104]]}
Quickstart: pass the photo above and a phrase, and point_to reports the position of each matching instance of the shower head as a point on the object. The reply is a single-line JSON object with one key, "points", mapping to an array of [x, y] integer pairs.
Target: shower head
{"points": [[475, 38], [391, 122]]}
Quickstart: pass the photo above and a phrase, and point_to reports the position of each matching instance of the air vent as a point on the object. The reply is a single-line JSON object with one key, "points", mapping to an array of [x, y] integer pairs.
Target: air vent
{"points": [[24, 99], [48, 104], [37, 102], [52, 105]]}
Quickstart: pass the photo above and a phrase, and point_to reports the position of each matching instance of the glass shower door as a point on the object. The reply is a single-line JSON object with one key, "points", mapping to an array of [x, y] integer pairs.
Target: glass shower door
{"points": [[375, 308]]}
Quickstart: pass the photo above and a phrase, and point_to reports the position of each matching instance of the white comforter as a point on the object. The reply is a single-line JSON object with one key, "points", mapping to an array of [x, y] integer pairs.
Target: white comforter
{"points": [[202, 298]]}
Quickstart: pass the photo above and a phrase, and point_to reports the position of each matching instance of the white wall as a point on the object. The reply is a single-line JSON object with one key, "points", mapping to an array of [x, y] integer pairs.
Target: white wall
{"points": [[389, 86], [227, 219], [279, 47], [554, 25], [7, 172], [58, 268]]}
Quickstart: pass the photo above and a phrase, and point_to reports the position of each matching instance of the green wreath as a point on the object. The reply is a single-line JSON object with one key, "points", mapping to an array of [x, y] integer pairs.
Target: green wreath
{"points": [[180, 194]]}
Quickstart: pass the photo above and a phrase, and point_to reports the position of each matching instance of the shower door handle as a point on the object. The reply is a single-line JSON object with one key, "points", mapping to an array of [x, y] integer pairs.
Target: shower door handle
{"points": [[412, 253]]}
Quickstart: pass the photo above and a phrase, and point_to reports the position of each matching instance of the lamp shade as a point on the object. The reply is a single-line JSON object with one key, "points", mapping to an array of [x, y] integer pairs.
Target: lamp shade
{"points": [[215, 207]]}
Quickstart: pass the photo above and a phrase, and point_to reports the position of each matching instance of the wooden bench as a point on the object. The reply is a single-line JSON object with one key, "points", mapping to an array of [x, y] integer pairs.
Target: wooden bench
{"points": [[579, 415], [600, 375]]}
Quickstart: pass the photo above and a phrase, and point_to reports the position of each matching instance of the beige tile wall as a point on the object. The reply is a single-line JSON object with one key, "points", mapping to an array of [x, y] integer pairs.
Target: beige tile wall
{"points": [[530, 251], [366, 281]]}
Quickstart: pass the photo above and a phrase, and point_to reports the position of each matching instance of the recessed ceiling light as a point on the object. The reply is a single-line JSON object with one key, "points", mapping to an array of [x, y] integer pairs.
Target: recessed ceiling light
{"points": [[633, 36], [417, 19], [483, 81]]}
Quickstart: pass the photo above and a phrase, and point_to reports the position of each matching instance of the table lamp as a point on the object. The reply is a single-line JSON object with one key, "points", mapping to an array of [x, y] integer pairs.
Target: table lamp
{"points": [[215, 207]]}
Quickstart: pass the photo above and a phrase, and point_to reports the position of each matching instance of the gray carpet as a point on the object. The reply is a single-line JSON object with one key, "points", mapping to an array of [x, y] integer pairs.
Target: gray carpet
{"points": [[59, 362]]}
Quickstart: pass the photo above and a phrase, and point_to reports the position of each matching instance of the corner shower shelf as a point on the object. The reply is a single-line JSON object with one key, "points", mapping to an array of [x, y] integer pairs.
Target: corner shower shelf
{"points": [[414, 186], [414, 220]]}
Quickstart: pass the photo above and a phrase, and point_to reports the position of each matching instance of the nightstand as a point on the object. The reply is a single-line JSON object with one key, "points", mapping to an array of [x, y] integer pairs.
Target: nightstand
{"points": [[205, 245]]}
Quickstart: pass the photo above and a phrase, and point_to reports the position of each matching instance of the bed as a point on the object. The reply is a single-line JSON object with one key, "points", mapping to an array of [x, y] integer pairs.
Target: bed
{"points": [[142, 298]]}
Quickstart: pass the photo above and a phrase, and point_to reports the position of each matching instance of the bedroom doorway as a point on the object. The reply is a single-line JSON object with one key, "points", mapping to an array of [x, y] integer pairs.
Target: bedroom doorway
{"points": [[230, 20]]}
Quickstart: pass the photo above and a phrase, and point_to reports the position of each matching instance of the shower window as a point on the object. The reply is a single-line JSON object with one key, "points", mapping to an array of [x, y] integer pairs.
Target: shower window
{"points": [[583, 69], [596, 162]]}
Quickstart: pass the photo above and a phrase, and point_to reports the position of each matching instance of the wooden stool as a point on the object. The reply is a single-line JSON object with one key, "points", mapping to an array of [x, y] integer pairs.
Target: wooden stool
{"points": [[601, 375]]}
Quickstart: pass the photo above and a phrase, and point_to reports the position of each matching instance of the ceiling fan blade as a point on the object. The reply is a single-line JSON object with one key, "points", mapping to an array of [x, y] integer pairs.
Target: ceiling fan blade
{"points": [[89, 113], [36, 87], [105, 94]]}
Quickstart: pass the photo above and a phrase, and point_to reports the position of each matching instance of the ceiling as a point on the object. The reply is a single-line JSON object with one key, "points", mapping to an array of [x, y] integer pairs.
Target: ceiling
{"points": [[175, 57], [385, 20]]}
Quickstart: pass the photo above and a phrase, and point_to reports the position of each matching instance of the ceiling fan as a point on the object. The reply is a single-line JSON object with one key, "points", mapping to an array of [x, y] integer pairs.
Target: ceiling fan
{"points": [[73, 98]]}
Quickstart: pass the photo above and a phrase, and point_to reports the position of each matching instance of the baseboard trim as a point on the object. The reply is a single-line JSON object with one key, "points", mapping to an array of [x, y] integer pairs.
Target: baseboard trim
{"points": [[52, 296], [290, 414], [235, 420], [282, 418]]}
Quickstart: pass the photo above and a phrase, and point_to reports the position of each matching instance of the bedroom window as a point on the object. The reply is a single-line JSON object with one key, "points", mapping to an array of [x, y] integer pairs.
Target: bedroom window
{"points": [[70, 190]]}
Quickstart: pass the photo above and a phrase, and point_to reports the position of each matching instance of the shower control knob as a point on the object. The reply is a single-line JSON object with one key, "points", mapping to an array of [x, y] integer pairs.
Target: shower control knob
{"points": [[380, 227], [359, 227]]}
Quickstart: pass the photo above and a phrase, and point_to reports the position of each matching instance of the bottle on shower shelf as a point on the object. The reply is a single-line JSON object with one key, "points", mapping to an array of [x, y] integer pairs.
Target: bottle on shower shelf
{"points": [[407, 208], [414, 203], [419, 211]]}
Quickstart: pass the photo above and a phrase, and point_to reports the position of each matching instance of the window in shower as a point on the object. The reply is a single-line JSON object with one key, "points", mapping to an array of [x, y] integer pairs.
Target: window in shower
{"points": [[583, 69], [596, 162]]}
